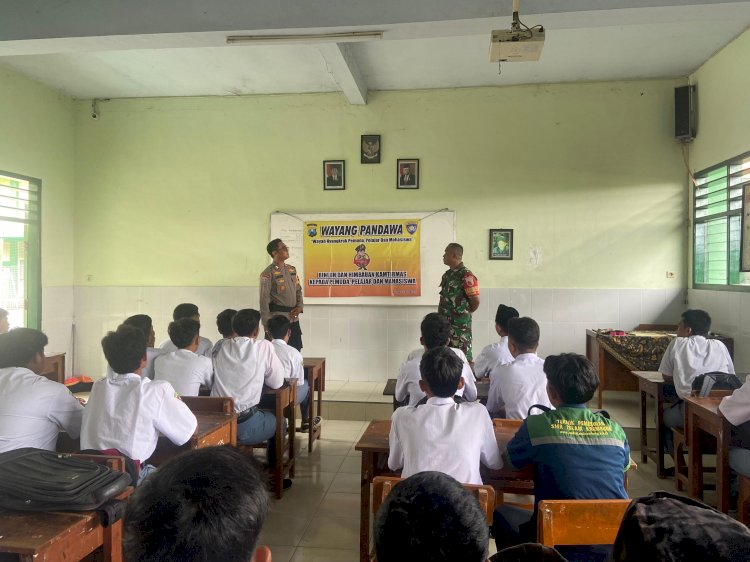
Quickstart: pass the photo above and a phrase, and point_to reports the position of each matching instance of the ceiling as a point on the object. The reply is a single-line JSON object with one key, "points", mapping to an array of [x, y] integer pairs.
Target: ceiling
{"points": [[113, 49]]}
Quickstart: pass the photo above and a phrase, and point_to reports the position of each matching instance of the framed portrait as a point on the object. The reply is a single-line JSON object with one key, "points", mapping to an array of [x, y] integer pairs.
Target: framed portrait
{"points": [[501, 243], [333, 175], [407, 173], [370, 149], [745, 229]]}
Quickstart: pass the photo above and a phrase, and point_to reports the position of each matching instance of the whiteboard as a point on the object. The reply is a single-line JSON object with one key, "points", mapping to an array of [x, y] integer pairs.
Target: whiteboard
{"points": [[438, 229]]}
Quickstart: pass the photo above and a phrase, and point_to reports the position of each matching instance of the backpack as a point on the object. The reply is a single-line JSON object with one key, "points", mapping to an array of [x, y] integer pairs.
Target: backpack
{"points": [[704, 384], [40, 480]]}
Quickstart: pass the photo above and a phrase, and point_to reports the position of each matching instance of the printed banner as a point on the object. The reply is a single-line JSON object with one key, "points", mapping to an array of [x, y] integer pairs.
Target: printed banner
{"points": [[365, 258]]}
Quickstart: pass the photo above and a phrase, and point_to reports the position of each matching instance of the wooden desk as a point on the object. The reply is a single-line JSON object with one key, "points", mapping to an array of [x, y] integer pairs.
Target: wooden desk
{"points": [[315, 372], [651, 384], [59, 536], [54, 367], [702, 415], [214, 428], [483, 390], [375, 448]]}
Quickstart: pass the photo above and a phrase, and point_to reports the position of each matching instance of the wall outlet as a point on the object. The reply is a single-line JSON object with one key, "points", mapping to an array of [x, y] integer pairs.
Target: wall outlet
{"points": [[670, 274]]}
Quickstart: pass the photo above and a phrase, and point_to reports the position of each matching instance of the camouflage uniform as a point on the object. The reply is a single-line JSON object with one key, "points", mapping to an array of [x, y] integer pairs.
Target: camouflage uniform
{"points": [[456, 286], [280, 292]]}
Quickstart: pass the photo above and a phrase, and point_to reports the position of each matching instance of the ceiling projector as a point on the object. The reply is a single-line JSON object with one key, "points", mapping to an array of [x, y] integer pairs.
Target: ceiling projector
{"points": [[516, 45]]}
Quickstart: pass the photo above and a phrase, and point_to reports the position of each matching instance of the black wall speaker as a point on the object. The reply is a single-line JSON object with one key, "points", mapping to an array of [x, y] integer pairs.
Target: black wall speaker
{"points": [[685, 117]]}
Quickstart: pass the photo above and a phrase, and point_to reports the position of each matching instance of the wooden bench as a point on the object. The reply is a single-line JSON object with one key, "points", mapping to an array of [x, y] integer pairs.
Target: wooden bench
{"points": [[579, 522]]}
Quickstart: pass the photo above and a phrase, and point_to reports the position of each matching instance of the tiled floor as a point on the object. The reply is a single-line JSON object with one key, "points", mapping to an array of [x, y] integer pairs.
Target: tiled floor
{"points": [[318, 518]]}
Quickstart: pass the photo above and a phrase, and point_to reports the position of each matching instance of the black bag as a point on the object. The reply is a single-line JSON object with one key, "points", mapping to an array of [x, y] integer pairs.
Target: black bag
{"points": [[704, 384], [39, 480]]}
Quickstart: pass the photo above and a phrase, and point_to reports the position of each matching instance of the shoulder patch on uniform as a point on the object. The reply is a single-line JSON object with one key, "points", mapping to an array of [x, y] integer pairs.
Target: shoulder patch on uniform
{"points": [[265, 275], [292, 268]]}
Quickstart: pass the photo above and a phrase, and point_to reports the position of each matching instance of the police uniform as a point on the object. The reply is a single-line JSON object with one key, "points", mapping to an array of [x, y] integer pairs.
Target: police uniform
{"points": [[280, 292], [456, 286]]}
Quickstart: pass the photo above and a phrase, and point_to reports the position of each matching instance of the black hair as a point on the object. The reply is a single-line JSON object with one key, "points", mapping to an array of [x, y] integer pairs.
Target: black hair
{"points": [[124, 348], [204, 505], [504, 314], [435, 330], [272, 246], [279, 325], [246, 322], [698, 321], [141, 321], [430, 517], [19, 347], [182, 332], [185, 310], [457, 248], [441, 369], [572, 377], [224, 321], [524, 332]]}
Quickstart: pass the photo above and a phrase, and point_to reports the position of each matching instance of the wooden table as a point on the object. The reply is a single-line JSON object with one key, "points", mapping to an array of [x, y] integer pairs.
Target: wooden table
{"points": [[54, 367], [315, 372], [651, 384], [702, 415], [375, 448], [59, 536], [483, 390], [214, 428]]}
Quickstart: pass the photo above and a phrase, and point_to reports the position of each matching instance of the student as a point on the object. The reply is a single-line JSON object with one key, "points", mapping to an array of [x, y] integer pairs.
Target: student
{"points": [[126, 412], [587, 462], [516, 387], [204, 505], [690, 354], [443, 435], [4, 326], [224, 325], [144, 322], [184, 369], [736, 408], [280, 328], [188, 310], [430, 516], [496, 353], [33, 409], [436, 331], [241, 367]]}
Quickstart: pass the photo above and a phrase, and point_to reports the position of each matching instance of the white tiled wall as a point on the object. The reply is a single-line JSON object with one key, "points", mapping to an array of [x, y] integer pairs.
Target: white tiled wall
{"points": [[730, 315], [368, 343]]}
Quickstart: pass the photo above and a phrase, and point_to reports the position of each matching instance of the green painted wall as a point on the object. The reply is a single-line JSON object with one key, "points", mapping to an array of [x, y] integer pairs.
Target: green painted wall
{"points": [[179, 191], [37, 140]]}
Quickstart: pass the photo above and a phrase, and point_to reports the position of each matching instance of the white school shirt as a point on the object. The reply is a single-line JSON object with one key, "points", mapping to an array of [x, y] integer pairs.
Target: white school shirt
{"points": [[686, 358], [409, 376], [241, 368], [148, 371], [491, 356], [736, 407], [518, 386], [217, 346], [291, 361], [33, 409], [127, 412], [204, 346], [444, 436], [185, 371]]}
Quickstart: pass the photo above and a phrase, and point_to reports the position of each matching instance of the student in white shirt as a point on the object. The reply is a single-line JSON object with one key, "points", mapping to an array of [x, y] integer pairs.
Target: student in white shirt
{"points": [[144, 322], [496, 353], [442, 435], [224, 325], [126, 411], [184, 369], [736, 408], [33, 409], [241, 367], [280, 328], [188, 310], [436, 331], [516, 387], [690, 354]]}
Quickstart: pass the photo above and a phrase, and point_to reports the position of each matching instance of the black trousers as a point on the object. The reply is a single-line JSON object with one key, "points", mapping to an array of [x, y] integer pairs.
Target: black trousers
{"points": [[295, 340]]}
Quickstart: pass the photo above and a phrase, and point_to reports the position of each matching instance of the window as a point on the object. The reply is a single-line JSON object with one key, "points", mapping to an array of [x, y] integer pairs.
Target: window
{"points": [[20, 249]]}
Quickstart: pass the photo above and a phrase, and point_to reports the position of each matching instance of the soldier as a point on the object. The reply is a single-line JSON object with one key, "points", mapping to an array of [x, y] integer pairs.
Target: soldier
{"points": [[280, 291], [459, 297]]}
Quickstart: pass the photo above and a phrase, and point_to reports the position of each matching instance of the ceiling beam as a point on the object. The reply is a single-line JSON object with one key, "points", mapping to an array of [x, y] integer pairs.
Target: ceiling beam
{"points": [[342, 67]]}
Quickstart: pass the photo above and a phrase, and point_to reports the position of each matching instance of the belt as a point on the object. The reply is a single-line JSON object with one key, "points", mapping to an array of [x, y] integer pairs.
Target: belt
{"points": [[247, 414], [273, 307]]}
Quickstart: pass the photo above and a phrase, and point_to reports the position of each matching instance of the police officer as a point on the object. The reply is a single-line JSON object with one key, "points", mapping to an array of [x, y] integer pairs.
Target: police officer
{"points": [[459, 297], [280, 291]]}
